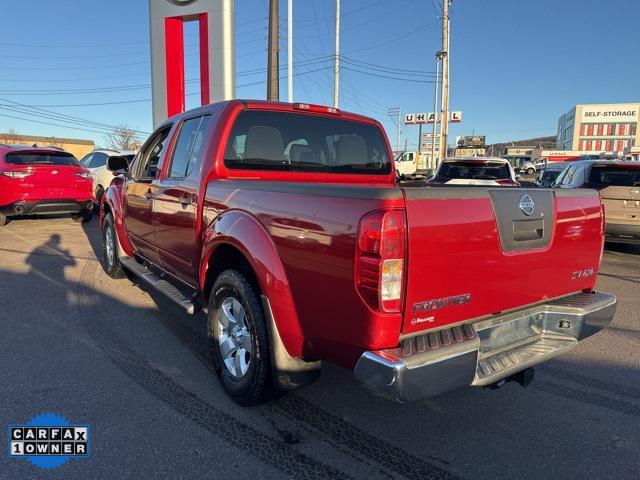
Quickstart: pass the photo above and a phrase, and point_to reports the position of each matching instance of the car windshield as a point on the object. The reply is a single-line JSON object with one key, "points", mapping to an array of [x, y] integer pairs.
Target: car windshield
{"points": [[616, 175], [41, 158], [265, 140], [475, 170]]}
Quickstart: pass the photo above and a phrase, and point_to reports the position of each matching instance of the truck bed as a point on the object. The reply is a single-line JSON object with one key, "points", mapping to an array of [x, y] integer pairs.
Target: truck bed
{"points": [[457, 253]]}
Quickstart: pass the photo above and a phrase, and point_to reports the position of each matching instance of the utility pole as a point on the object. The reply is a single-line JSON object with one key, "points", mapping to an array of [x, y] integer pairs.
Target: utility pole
{"points": [[444, 118], [336, 60], [290, 51], [419, 138], [395, 112], [273, 67], [435, 113]]}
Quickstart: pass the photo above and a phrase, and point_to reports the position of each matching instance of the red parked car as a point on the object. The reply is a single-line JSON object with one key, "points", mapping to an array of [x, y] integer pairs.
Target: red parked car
{"points": [[287, 224], [43, 181]]}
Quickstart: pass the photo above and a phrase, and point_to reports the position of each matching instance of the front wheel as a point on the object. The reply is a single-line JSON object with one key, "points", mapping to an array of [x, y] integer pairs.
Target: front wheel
{"points": [[238, 339], [530, 171], [110, 262]]}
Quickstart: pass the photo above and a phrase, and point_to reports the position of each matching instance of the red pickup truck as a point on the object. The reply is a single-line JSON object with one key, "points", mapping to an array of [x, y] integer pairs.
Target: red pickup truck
{"points": [[286, 223]]}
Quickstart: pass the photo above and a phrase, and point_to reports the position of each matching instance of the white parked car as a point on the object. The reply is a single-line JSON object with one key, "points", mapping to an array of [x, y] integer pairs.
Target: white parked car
{"points": [[531, 167], [96, 162], [475, 171]]}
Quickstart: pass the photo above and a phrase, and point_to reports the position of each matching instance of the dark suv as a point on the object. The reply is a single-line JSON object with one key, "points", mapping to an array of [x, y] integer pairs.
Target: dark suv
{"points": [[619, 186]]}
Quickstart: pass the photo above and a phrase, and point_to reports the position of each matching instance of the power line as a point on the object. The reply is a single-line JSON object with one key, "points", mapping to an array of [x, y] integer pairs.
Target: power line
{"points": [[393, 40], [58, 116], [142, 86], [53, 124], [401, 70], [414, 80]]}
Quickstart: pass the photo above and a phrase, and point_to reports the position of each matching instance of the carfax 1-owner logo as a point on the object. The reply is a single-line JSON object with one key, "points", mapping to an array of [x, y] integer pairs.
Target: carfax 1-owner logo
{"points": [[49, 441]]}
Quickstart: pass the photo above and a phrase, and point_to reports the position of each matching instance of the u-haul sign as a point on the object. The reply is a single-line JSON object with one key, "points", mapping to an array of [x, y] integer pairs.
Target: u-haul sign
{"points": [[430, 117]]}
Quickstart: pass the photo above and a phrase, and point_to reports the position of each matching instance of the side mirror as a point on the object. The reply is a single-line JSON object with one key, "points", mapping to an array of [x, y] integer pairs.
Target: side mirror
{"points": [[117, 165]]}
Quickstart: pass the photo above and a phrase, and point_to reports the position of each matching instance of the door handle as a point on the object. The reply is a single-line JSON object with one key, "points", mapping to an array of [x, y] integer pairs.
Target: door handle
{"points": [[148, 195], [186, 201]]}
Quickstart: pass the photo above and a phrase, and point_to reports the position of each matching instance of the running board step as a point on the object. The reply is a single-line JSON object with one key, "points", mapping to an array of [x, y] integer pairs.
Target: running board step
{"points": [[159, 284], [494, 367]]}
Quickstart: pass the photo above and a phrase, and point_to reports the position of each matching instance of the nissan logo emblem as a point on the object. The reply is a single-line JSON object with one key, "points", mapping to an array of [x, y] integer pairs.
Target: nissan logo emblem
{"points": [[526, 204]]}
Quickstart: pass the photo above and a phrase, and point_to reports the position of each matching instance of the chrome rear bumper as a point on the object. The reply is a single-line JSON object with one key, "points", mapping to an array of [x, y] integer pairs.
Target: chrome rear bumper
{"points": [[484, 352]]}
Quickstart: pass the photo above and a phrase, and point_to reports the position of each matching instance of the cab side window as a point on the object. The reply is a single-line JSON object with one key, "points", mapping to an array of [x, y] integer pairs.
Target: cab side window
{"points": [[569, 175], [151, 154]]}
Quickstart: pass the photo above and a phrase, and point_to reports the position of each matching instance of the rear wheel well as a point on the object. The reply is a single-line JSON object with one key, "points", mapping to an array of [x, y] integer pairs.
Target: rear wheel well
{"points": [[227, 257]]}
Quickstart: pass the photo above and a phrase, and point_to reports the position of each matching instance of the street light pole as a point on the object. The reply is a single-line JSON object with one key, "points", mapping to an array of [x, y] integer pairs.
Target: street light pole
{"points": [[434, 163], [336, 60], [444, 118], [290, 51], [395, 112]]}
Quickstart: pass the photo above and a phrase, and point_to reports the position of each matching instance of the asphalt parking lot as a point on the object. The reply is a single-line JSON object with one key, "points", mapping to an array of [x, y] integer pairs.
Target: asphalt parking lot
{"points": [[131, 365]]}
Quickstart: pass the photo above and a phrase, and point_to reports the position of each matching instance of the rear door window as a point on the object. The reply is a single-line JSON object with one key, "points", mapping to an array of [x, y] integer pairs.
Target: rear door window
{"points": [[615, 175], [151, 154], [41, 158], [264, 140], [188, 152]]}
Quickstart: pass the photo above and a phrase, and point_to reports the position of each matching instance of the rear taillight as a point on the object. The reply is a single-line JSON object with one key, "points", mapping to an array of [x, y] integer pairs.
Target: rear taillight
{"points": [[315, 108], [380, 258], [15, 173]]}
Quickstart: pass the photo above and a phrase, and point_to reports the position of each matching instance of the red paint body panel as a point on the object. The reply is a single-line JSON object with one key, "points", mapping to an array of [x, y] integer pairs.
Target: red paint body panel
{"points": [[311, 243], [298, 231], [44, 182]]}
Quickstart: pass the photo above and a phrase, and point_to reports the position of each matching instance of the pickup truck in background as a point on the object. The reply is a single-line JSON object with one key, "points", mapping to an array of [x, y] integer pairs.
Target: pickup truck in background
{"points": [[286, 223]]}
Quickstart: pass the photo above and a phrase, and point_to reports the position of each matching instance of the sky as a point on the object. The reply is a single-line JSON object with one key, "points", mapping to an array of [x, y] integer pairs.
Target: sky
{"points": [[516, 65]]}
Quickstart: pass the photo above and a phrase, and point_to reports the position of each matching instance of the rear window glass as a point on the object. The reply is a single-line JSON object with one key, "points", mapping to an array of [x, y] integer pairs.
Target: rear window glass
{"points": [[621, 176], [301, 142], [475, 170], [41, 158]]}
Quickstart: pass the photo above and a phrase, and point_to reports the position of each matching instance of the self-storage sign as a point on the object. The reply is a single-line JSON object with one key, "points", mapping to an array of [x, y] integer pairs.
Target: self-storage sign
{"points": [[610, 113]]}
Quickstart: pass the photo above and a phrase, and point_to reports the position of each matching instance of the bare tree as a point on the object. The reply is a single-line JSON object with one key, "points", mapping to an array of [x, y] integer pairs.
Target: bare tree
{"points": [[10, 137], [122, 138], [53, 142]]}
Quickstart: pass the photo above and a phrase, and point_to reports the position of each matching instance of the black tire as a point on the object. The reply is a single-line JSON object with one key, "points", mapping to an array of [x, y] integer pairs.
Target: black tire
{"points": [[110, 263], [254, 386], [531, 171], [85, 216], [3, 220]]}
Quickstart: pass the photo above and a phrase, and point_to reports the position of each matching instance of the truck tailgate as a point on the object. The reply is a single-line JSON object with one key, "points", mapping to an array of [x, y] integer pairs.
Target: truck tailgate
{"points": [[474, 252]]}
